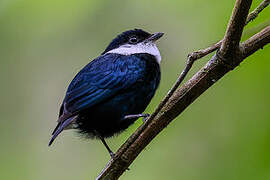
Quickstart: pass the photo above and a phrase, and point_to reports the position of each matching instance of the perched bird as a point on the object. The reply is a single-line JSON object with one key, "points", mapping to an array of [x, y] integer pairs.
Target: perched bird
{"points": [[113, 90]]}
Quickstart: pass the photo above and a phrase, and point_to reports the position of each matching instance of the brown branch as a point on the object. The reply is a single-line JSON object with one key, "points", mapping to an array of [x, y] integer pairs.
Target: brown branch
{"points": [[256, 42], [257, 10], [203, 52], [172, 106], [230, 43]]}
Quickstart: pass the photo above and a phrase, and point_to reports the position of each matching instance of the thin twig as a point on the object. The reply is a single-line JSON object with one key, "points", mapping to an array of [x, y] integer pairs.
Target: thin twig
{"points": [[257, 10]]}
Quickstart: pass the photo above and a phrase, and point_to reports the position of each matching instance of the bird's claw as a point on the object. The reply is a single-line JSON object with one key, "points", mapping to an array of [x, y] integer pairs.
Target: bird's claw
{"points": [[112, 155], [146, 117]]}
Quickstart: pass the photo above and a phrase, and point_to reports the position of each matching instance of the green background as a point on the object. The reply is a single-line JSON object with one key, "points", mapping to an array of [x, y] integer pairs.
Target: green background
{"points": [[224, 134]]}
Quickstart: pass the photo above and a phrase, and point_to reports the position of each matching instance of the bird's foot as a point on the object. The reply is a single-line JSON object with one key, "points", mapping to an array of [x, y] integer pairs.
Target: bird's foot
{"points": [[112, 155], [146, 117]]}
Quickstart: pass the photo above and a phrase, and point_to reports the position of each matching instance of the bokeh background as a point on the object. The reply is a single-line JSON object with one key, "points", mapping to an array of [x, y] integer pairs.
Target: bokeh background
{"points": [[225, 134]]}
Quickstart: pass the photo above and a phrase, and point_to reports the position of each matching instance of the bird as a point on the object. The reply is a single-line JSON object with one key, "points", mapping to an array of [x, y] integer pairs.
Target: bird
{"points": [[112, 91]]}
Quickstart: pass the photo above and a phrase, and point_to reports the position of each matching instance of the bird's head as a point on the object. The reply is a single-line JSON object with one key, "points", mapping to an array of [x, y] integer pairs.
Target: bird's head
{"points": [[135, 41]]}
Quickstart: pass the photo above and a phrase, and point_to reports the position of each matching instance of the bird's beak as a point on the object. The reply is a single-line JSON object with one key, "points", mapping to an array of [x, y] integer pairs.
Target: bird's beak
{"points": [[154, 37]]}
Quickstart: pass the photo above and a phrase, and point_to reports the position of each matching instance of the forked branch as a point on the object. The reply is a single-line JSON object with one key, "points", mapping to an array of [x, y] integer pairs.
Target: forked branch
{"points": [[230, 55]]}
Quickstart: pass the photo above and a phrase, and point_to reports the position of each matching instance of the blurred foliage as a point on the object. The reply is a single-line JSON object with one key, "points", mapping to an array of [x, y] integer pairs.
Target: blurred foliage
{"points": [[225, 134]]}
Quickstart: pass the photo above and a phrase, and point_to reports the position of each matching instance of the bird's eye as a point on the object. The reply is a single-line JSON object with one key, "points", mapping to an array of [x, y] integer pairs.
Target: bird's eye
{"points": [[133, 40]]}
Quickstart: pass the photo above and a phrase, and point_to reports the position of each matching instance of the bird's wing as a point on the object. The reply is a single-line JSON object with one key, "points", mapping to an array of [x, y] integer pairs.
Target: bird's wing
{"points": [[101, 79]]}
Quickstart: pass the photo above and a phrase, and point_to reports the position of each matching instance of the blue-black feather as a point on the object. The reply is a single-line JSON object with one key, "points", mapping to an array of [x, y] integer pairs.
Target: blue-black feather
{"points": [[102, 79], [107, 89]]}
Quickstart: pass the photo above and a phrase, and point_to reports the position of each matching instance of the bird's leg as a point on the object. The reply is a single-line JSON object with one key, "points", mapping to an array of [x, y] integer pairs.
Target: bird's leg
{"points": [[105, 144], [145, 116], [107, 147], [132, 116]]}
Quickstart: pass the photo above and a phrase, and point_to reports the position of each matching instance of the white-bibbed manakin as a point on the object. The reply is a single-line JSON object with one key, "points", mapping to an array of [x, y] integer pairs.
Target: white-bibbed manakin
{"points": [[113, 90]]}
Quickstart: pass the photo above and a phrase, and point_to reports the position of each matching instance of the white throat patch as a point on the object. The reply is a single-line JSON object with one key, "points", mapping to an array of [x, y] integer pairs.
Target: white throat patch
{"points": [[128, 49]]}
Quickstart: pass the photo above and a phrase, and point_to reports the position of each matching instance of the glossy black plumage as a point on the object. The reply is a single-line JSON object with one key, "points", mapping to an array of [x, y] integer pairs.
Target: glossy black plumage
{"points": [[128, 87], [109, 88]]}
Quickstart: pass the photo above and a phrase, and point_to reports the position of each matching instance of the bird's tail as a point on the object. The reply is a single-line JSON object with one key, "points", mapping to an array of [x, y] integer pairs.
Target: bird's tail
{"points": [[60, 127]]}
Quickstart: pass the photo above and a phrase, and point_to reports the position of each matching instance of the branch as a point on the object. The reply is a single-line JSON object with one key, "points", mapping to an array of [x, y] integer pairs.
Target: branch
{"points": [[256, 42], [203, 52], [178, 100], [230, 43], [257, 10]]}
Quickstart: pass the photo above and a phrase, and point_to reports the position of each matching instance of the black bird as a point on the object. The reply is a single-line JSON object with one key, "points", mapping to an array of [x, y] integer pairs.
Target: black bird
{"points": [[113, 90]]}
